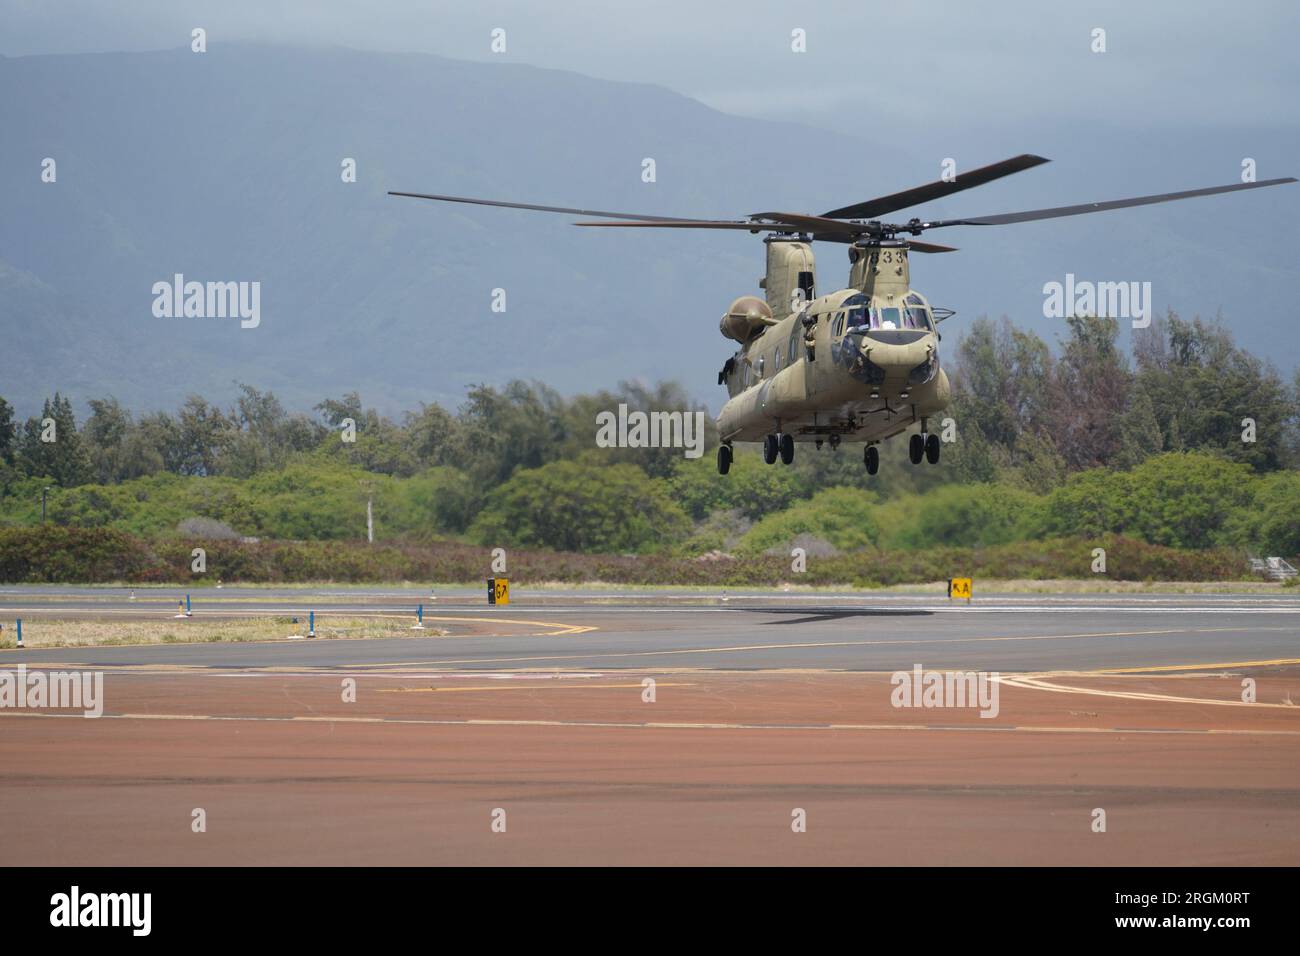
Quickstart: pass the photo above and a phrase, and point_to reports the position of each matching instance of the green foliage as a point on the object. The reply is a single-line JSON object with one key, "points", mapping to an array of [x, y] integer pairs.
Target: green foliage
{"points": [[1185, 500], [53, 555], [841, 516], [1270, 524], [303, 501], [1179, 499], [75, 555], [50, 446], [968, 515], [573, 506], [8, 433], [1072, 447], [436, 501], [751, 487], [1200, 387], [1089, 503]]}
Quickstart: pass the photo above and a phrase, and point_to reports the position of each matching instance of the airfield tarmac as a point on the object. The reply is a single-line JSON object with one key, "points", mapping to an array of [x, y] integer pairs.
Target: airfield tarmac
{"points": [[765, 702]]}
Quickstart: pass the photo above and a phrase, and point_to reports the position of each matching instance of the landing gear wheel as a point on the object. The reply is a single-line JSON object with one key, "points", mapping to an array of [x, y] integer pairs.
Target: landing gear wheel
{"points": [[769, 449], [724, 459], [916, 449], [932, 449], [871, 458], [786, 443]]}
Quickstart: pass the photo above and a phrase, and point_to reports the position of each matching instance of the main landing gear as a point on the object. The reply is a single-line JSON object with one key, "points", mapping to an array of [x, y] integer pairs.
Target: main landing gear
{"points": [[724, 459], [871, 458], [923, 446], [778, 444]]}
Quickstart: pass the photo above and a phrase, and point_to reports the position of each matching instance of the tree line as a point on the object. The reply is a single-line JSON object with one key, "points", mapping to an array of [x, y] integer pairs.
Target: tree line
{"points": [[1056, 435]]}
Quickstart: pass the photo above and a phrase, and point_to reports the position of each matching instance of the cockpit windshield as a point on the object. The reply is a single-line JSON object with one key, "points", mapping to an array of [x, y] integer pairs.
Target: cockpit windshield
{"points": [[916, 315]]}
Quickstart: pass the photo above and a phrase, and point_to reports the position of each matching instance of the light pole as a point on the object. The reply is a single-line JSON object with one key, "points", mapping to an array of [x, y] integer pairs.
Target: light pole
{"points": [[369, 488]]}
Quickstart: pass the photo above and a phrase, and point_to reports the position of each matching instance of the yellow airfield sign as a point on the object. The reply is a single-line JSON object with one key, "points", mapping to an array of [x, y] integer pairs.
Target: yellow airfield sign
{"points": [[498, 591], [959, 588]]}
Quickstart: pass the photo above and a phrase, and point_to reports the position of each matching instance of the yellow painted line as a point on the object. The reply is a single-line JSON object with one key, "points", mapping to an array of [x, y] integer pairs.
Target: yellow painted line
{"points": [[1197, 667], [562, 629], [810, 644], [664, 725], [1036, 684], [531, 685]]}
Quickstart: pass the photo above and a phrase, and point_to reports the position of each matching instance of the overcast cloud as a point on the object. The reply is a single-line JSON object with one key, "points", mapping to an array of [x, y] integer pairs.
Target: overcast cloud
{"points": [[927, 65]]}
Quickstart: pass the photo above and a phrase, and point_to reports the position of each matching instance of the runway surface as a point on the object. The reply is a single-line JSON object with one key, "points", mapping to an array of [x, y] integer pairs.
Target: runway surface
{"points": [[746, 631], [759, 706]]}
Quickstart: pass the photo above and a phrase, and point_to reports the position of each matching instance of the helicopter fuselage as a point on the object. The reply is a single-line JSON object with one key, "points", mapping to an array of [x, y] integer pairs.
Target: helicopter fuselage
{"points": [[860, 364]]}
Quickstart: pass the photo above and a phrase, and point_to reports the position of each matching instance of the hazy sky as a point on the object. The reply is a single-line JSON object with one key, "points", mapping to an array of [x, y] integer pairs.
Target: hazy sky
{"points": [[930, 64]]}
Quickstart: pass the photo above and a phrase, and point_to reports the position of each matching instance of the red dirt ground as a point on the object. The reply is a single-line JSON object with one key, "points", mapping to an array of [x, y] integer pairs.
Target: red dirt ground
{"points": [[293, 775]]}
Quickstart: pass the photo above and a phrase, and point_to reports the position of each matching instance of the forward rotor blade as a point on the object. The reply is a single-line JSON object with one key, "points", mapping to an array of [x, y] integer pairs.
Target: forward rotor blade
{"points": [[917, 246], [523, 205], [1060, 211], [914, 197]]}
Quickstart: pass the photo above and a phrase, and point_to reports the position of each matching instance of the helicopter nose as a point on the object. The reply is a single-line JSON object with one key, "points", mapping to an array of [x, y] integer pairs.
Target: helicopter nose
{"points": [[896, 349], [896, 336]]}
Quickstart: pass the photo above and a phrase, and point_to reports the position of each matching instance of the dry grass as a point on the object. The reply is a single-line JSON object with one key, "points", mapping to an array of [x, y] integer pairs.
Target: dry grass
{"points": [[1100, 585], [40, 632]]}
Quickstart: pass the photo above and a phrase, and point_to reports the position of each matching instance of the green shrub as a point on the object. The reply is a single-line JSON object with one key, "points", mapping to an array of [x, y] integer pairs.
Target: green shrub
{"points": [[842, 516]]}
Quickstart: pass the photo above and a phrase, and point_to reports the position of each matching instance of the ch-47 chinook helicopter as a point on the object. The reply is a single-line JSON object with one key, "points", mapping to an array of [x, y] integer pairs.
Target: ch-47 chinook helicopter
{"points": [[858, 364]]}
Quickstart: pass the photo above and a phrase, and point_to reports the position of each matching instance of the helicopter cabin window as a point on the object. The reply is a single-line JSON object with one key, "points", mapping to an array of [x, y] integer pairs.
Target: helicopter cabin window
{"points": [[761, 362], [838, 328], [776, 361], [794, 345], [890, 318]]}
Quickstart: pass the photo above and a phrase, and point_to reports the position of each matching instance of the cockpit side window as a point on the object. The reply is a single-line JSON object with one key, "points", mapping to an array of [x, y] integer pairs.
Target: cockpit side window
{"points": [[855, 311], [917, 318]]}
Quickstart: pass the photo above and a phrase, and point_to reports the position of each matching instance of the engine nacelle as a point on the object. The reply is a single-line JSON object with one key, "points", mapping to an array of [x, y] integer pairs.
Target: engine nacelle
{"points": [[745, 318]]}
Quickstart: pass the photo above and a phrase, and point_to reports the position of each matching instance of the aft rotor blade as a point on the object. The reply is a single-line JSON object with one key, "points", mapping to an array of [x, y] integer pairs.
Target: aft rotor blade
{"points": [[813, 223], [871, 208], [699, 224], [917, 246], [1056, 213], [523, 205]]}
